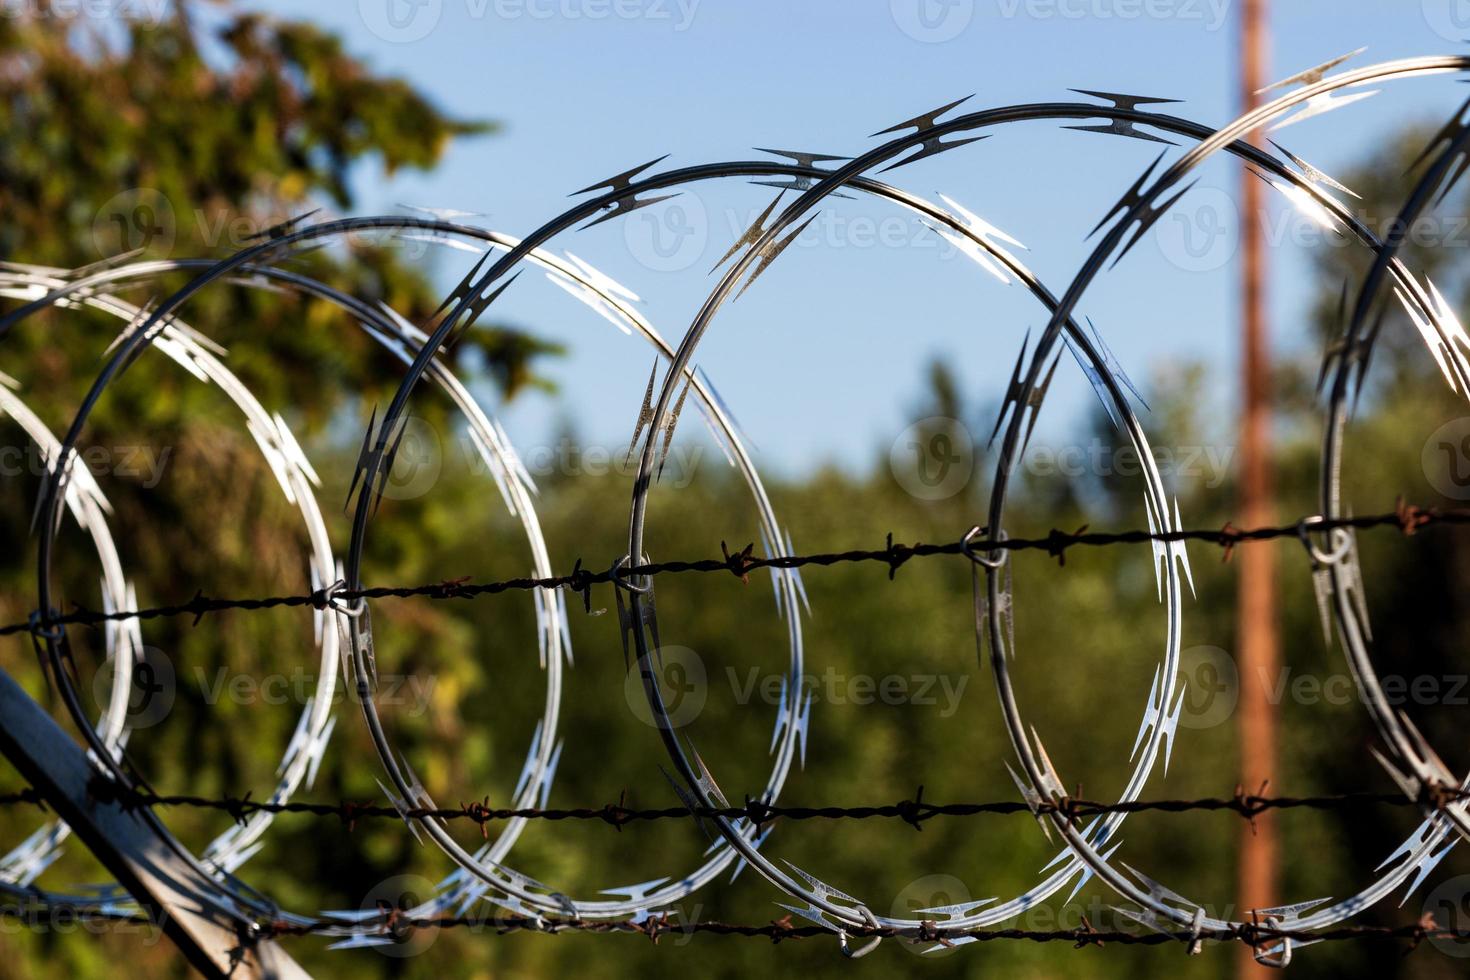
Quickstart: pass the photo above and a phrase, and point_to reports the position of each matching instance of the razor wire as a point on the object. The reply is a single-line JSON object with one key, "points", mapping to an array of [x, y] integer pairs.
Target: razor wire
{"points": [[1422, 851], [762, 247], [288, 463], [599, 293], [189, 349], [828, 905], [342, 612]]}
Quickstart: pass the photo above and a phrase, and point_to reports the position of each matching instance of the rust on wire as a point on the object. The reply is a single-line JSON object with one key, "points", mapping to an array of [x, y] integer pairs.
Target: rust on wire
{"points": [[1407, 518], [913, 812]]}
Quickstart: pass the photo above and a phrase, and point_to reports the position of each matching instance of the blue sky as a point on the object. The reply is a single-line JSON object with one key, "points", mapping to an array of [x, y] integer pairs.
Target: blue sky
{"points": [[823, 361]]}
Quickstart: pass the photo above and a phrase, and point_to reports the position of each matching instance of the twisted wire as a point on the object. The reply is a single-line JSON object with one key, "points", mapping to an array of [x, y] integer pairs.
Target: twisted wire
{"points": [[913, 812], [1407, 518], [400, 928]]}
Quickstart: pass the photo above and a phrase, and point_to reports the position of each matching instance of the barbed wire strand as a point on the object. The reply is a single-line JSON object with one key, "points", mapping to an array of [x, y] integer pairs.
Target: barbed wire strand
{"points": [[913, 812], [781, 929], [400, 927], [1408, 518]]}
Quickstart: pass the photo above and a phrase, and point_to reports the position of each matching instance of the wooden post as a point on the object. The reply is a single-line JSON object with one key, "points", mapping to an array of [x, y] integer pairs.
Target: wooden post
{"points": [[1257, 636]]}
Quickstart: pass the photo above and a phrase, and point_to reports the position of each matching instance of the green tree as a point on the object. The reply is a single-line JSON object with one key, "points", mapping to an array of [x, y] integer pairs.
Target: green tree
{"points": [[183, 138]]}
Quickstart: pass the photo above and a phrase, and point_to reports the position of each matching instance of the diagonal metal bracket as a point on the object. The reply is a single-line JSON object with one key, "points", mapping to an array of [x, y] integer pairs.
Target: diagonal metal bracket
{"points": [[183, 901]]}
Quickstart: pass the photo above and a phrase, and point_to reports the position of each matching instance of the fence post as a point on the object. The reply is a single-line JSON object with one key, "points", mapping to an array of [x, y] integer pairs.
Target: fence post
{"points": [[135, 848]]}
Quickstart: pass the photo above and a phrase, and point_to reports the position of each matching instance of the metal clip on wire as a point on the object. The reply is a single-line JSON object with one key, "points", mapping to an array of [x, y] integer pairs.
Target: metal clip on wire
{"points": [[1196, 944], [1343, 542], [1278, 960], [53, 632], [329, 598], [627, 584], [989, 562], [866, 948]]}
